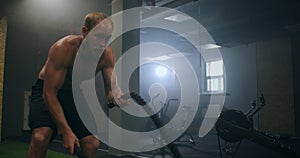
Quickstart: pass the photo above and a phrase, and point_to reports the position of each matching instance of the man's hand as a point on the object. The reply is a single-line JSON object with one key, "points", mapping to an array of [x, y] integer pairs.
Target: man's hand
{"points": [[122, 101], [69, 141], [117, 99]]}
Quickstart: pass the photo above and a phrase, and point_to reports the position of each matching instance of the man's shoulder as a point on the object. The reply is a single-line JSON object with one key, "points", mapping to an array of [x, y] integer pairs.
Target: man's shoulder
{"points": [[71, 40], [68, 43], [66, 47]]}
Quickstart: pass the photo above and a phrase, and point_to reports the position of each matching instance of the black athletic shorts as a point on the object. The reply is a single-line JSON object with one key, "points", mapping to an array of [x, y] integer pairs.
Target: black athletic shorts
{"points": [[40, 117]]}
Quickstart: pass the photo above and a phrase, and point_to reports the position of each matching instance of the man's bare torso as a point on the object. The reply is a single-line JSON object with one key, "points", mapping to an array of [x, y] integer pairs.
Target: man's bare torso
{"points": [[71, 45]]}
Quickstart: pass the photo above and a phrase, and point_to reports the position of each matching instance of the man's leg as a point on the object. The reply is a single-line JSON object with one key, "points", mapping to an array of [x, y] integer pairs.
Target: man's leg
{"points": [[39, 142], [89, 146]]}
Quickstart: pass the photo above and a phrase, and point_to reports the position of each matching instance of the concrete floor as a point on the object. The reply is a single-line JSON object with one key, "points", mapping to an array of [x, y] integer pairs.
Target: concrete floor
{"points": [[206, 147]]}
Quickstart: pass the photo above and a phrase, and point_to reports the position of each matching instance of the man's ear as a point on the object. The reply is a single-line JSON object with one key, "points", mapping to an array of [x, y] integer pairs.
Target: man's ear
{"points": [[84, 31]]}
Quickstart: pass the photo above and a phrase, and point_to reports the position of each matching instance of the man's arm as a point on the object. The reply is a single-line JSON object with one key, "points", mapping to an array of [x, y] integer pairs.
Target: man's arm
{"points": [[55, 72], [111, 88]]}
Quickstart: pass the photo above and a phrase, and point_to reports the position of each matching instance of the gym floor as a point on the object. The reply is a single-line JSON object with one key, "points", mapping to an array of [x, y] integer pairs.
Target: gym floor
{"points": [[204, 147]]}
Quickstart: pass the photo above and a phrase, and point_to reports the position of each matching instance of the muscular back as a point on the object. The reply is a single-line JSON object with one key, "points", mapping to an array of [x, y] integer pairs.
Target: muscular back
{"points": [[61, 57], [62, 53]]}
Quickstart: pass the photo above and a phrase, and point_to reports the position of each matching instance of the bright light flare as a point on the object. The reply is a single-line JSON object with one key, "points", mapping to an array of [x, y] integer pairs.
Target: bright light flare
{"points": [[161, 71]]}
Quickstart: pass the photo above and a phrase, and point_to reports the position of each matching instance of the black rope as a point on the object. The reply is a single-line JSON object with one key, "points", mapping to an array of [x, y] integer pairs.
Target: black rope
{"points": [[158, 123], [78, 152], [155, 118]]}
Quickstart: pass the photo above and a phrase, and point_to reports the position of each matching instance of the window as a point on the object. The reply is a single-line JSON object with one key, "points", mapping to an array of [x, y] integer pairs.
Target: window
{"points": [[214, 77]]}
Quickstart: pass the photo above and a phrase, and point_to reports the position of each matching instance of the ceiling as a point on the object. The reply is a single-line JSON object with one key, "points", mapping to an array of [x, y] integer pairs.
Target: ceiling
{"points": [[237, 22]]}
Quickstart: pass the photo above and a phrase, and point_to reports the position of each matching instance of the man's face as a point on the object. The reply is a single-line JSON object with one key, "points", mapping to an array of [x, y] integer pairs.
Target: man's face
{"points": [[100, 34], [103, 32]]}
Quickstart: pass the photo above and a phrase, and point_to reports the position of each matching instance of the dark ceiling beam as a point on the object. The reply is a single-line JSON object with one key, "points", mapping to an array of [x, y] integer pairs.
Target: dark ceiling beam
{"points": [[177, 3]]}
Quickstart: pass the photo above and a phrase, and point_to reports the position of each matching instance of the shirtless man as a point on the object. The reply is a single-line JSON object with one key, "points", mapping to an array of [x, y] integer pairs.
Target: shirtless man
{"points": [[52, 106]]}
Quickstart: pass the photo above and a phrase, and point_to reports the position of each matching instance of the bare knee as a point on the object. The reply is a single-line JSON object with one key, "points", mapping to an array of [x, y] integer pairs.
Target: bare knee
{"points": [[90, 145], [41, 137], [39, 142]]}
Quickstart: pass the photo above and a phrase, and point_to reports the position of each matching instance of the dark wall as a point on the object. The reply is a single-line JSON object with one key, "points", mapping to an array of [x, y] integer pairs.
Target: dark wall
{"points": [[32, 27], [275, 81], [241, 74], [296, 77]]}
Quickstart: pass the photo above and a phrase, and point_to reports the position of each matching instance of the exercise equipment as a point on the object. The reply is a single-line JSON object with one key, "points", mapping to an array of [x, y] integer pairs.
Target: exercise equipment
{"points": [[155, 118], [233, 126], [185, 137], [77, 152]]}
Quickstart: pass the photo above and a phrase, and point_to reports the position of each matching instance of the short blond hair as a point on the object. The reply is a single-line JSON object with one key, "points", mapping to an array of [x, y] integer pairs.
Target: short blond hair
{"points": [[92, 19]]}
